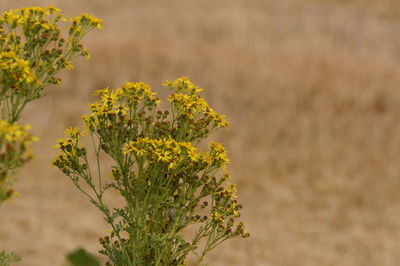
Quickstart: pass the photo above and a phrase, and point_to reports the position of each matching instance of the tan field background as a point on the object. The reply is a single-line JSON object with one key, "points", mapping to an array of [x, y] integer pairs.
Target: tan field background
{"points": [[311, 89]]}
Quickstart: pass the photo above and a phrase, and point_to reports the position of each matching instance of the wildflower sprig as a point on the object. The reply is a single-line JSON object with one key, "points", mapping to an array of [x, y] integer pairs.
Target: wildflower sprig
{"points": [[191, 113], [166, 182], [33, 51]]}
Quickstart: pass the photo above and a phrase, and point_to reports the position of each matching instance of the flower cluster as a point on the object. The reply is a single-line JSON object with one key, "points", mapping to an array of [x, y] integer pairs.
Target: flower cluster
{"points": [[112, 106], [69, 160], [16, 72], [32, 52], [14, 153], [166, 181], [192, 112], [167, 151]]}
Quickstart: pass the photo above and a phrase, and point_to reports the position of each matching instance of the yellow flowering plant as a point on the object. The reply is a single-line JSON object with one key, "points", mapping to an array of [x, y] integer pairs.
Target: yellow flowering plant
{"points": [[166, 183], [32, 53]]}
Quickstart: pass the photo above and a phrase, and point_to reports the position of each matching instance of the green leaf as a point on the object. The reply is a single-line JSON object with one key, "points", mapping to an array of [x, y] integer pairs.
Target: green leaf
{"points": [[81, 257]]}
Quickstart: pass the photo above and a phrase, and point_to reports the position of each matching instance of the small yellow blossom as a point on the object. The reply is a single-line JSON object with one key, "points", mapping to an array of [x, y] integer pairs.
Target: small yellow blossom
{"points": [[163, 156], [217, 147], [217, 217], [87, 19]]}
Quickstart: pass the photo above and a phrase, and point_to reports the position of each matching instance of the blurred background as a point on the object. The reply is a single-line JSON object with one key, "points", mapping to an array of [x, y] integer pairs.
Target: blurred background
{"points": [[311, 89]]}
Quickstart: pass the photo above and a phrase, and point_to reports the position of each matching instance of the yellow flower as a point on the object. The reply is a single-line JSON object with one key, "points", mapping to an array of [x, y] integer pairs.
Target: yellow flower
{"points": [[13, 132], [102, 91], [217, 217], [121, 110], [163, 156], [217, 147], [137, 91], [138, 150], [194, 157], [223, 157], [13, 66], [73, 132], [182, 85], [207, 159], [171, 165], [87, 19], [188, 146]]}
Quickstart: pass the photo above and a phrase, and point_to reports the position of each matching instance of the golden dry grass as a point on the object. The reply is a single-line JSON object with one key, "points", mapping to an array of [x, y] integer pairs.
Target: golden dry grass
{"points": [[312, 91]]}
